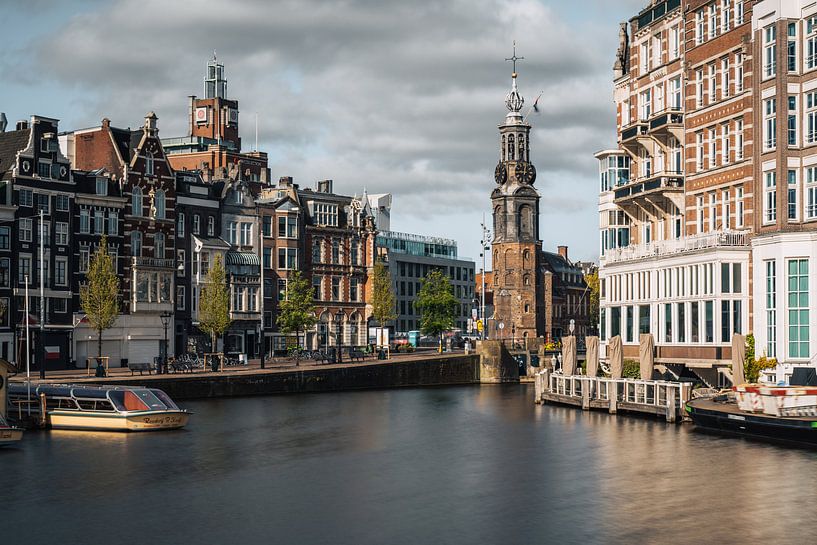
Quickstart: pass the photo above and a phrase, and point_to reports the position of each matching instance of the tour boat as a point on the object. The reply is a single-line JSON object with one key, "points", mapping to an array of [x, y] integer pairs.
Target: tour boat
{"points": [[8, 434], [105, 408], [783, 413]]}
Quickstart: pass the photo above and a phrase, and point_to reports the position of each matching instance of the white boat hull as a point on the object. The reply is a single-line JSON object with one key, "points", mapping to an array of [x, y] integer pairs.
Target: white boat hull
{"points": [[10, 436], [105, 421]]}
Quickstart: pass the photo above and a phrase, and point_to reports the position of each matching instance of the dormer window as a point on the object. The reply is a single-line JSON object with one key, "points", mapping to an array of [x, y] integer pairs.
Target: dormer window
{"points": [[237, 197], [148, 163], [102, 187], [43, 145]]}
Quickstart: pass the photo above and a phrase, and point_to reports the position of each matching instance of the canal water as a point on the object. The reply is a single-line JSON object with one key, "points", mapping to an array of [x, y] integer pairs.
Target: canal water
{"points": [[464, 464]]}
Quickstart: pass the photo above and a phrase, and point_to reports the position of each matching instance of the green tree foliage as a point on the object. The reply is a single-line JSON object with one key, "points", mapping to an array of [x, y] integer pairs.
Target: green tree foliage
{"points": [[436, 304], [592, 281], [753, 366], [383, 302], [214, 303], [99, 296], [296, 313]]}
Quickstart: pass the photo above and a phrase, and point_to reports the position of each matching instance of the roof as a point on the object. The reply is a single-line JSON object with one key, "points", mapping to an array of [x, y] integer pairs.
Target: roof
{"points": [[243, 258], [10, 143], [212, 242], [559, 264]]}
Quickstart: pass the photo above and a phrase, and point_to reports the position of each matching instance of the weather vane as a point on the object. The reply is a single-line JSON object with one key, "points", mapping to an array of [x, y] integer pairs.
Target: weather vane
{"points": [[514, 58]]}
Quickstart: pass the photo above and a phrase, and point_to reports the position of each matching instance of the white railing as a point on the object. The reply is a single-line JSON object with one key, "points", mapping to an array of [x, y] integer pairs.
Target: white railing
{"points": [[655, 393], [669, 247]]}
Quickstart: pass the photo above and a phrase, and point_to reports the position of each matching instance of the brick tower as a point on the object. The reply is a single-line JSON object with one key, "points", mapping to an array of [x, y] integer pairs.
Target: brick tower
{"points": [[516, 246]]}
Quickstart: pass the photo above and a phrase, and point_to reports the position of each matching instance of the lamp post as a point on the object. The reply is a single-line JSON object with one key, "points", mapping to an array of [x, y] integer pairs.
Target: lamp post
{"points": [[486, 236], [165, 317]]}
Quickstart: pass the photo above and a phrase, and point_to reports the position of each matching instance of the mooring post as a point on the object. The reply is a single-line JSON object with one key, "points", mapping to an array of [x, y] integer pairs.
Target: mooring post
{"points": [[670, 404], [613, 396], [538, 387], [586, 395]]}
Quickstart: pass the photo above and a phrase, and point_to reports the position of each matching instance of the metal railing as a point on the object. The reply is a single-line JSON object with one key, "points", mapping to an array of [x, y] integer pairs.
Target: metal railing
{"points": [[154, 262], [687, 244], [653, 393]]}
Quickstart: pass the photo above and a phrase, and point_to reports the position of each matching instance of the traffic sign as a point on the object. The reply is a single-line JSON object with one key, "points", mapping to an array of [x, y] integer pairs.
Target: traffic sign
{"points": [[501, 325], [479, 326]]}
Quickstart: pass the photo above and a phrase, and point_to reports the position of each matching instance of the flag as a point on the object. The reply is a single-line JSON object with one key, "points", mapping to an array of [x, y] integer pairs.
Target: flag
{"points": [[536, 104]]}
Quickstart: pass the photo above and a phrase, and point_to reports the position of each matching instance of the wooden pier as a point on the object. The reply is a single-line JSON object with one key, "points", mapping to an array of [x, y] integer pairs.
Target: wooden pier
{"points": [[651, 397]]}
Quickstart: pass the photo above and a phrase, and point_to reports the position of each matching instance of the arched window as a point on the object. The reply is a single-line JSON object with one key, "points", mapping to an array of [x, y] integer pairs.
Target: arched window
{"points": [[525, 219], [136, 201], [508, 259], [136, 243], [498, 221], [159, 245], [526, 260], [511, 148], [159, 203], [526, 280], [503, 148], [211, 226], [522, 147], [148, 163]]}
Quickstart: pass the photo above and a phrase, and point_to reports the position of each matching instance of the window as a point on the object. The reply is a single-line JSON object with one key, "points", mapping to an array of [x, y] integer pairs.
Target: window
{"points": [[287, 227], [180, 262], [196, 224], [179, 224], [739, 207], [61, 233], [713, 148], [674, 42], [738, 73], [712, 211], [354, 290], [699, 27], [159, 245], [180, 297], [317, 287], [676, 94], [791, 195], [335, 251], [211, 226], [725, 77], [113, 223], [101, 186], [798, 308], [738, 139], [668, 322], [238, 198], [61, 203], [25, 230], [44, 169], [699, 88], [238, 299], [811, 192], [136, 243], [26, 197], [266, 226], [709, 321], [730, 319], [24, 269], [771, 308], [326, 214], [791, 48], [769, 197], [738, 12], [811, 43], [84, 259], [354, 254], [811, 117], [335, 288], [282, 289], [791, 127], [5, 272], [769, 51], [699, 209], [99, 222], [246, 234], [5, 238], [713, 83], [148, 164], [232, 232], [43, 202], [136, 201], [85, 221], [725, 210], [725, 144], [699, 150], [725, 15], [159, 204], [252, 299], [288, 258], [61, 271], [713, 21], [644, 105], [769, 124], [316, 251]]}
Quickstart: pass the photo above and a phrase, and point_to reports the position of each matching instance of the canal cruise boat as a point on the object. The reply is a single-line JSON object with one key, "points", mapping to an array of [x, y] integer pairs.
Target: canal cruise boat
{"points": [[9, 435], [104, 408], [779, 413]]}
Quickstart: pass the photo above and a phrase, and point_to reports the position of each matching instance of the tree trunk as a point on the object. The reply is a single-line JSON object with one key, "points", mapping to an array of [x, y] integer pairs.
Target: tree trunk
{"points": [[297, 347], [99, 343]]}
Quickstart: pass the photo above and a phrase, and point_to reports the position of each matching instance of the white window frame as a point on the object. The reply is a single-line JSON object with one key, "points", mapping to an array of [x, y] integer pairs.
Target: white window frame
{"points": [[769, 197], [769, 124]]}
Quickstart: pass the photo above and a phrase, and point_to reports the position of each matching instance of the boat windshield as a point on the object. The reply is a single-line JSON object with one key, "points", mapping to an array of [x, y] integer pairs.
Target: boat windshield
{"points": [[164, 398], [128, 400]]}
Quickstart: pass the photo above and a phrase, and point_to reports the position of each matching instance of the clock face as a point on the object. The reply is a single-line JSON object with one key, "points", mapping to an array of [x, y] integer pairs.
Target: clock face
{"points": [[501, 174], [525, 172]]}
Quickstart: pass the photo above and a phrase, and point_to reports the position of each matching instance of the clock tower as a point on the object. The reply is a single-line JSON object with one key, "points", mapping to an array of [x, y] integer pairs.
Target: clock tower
{"points": [[516, 247]]}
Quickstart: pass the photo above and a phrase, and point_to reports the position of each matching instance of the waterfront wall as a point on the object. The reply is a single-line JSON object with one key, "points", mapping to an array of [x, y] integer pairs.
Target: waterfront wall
{"points": [[439, 371]]}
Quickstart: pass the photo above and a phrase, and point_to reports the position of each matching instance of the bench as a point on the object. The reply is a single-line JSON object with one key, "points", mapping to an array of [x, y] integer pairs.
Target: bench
{"points": [[141, 367], [319, 356], [355, 354]]}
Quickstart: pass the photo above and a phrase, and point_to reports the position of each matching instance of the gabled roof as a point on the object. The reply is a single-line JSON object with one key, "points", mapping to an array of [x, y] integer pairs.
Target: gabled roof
{"points": [[10, 144]]}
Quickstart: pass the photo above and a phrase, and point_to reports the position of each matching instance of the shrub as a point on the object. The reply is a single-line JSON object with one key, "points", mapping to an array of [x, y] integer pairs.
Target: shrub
{"points": [[631, 369], [753, 366]]}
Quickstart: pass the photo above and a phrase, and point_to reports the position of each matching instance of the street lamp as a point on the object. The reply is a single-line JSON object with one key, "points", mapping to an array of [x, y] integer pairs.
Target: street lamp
{"points": [[486, 237], [165, 317]]}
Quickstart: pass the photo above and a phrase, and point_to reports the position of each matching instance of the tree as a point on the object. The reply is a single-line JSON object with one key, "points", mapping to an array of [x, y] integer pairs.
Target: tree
{"points": [[592, 281], [99, 296], [297, 312], [436, 304], [383, 303], [752, 366], [214, 302]]}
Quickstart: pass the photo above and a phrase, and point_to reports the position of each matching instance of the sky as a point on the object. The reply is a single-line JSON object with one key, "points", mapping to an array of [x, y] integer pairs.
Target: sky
{"points": [[391, 96]]}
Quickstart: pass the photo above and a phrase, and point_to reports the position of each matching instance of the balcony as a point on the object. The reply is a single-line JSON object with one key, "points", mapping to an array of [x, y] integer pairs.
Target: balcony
{"points": [[631, 135], [153, 263], [653, 191], [665, 248], [668, 123]]}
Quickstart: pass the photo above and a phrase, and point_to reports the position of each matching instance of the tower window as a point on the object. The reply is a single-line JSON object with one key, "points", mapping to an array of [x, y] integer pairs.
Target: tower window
{"points": [[522, 147], [511, 148]]}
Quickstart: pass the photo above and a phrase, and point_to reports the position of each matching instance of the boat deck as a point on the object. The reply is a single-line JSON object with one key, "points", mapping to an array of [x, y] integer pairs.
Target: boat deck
{"points": [[730, 407]]}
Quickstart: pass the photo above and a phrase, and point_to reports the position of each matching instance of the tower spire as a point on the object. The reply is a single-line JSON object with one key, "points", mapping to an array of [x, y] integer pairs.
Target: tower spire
{"points": [[514, 58], [514, 100]]}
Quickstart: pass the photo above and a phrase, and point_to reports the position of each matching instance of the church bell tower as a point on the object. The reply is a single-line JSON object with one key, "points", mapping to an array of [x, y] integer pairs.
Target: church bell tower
{"points": [[516, 247]]}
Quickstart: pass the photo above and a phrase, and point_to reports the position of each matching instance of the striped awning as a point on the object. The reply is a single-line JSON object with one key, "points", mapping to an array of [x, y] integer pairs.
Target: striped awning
{"points": [[243, 258]]}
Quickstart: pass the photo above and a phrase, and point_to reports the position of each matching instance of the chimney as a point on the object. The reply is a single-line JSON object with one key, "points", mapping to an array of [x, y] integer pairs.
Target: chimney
{"points": [[562, 251], [21, 125], [150, 124], [4, 122], [106, 123], [285, 181]]}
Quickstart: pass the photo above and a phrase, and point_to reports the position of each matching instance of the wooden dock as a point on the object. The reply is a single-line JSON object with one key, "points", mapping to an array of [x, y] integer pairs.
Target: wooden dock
{"points": [[650, 397]]}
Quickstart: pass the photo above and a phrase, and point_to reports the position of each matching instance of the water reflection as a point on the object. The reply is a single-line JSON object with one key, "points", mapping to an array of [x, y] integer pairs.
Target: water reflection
{"points": [[453, 465]]}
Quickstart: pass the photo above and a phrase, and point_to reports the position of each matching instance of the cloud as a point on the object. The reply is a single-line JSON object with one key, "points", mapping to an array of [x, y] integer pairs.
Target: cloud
{"points": [[400, 97]]}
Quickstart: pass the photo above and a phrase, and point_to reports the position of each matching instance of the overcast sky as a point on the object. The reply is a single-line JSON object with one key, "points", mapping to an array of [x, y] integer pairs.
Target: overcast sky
{"points": [[399, 97]]}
